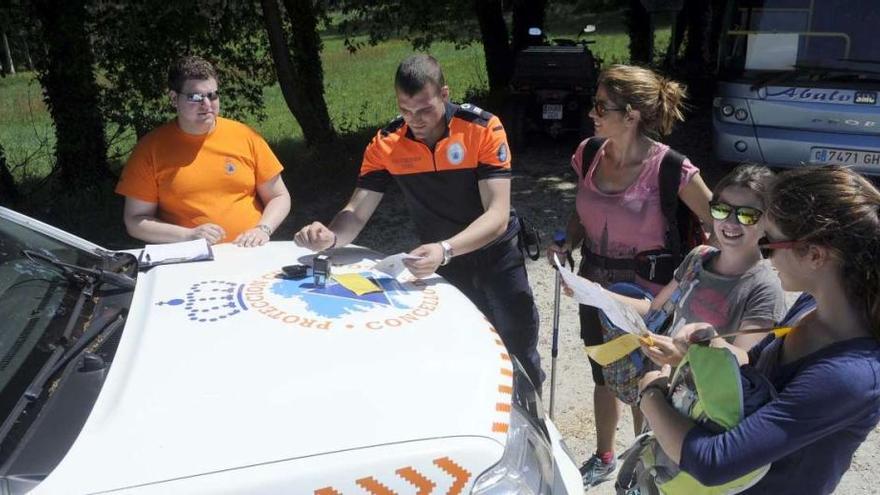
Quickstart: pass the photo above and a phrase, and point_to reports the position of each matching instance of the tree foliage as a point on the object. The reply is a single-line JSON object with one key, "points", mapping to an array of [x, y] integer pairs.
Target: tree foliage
{"points": [[135, 41], [461, 22], [421, 23]]}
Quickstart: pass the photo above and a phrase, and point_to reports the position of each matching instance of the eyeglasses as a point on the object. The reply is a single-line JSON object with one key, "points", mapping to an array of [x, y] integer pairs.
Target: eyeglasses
{"points": [[745, 215], [602, 108], [768, 247], [200, 97]]}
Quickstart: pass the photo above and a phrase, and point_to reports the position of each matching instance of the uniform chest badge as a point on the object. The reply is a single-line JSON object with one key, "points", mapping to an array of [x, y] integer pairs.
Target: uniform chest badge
{"points": [[502, 152], [455, 153], [230, 168]]}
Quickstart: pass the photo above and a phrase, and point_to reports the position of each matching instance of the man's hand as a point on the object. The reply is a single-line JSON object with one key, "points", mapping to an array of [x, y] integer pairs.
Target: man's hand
{"points": [[252, 238], [430, 257], [210, 232], [315, 236], [665, 350]]}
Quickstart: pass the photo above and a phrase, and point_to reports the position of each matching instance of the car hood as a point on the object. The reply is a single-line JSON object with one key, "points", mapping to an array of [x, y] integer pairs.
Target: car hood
{"points": [[224, 365]]}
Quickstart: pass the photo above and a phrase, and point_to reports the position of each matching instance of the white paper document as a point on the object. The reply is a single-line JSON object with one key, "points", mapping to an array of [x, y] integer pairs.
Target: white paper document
{"points": [[175, 252], [393, 265], [592, 294]]}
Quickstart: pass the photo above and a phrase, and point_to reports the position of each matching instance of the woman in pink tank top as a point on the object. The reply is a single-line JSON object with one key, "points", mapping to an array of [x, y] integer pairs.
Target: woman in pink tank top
{"points": [[618, 211]]}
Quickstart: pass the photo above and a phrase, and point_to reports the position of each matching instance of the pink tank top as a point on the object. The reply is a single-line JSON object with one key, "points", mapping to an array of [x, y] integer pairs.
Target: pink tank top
{"points": [[621, 224]]}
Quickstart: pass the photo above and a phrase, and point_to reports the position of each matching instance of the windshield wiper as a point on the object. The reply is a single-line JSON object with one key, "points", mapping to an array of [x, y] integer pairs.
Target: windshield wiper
{"points": [[81, 274], [104, 325]]}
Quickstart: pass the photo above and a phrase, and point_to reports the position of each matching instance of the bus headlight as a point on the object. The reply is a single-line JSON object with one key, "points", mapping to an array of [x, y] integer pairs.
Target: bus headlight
{"points": [[526, 467]]}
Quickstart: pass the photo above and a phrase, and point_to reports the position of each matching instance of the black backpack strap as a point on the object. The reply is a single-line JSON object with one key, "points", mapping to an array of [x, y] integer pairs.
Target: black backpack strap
{"points": [[670, 178], [588, 153]]}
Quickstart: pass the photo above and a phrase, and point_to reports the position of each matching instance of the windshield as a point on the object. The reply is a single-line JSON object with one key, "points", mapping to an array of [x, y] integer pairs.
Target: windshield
{"points": [[35, 301], [807, 37]]}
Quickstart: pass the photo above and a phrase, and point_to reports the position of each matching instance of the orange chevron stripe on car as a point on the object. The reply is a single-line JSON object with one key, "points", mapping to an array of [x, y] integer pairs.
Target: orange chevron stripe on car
{"points": [[373, 487], [499, 427], [460, 474], [424, 485]]}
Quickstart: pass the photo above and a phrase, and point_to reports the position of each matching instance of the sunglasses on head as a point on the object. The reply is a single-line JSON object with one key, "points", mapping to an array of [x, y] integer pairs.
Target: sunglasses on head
{"points": [[602, 108], [200, 97], [768, 247], [745, 215]]}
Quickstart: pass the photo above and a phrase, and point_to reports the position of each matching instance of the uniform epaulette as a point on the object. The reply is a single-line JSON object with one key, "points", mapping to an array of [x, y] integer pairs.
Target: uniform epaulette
{"points": [[392, 126], [473, 113]]}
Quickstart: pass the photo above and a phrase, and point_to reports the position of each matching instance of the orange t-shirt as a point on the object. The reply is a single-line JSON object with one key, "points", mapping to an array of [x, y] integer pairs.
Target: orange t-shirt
{"points": [[196, 179]]}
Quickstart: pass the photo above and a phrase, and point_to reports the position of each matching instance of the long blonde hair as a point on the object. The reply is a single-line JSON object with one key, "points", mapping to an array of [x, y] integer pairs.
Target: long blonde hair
{"points": [[659, 100]]}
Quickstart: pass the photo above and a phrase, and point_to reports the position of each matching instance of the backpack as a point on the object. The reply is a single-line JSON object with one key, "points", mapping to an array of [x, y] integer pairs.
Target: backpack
{"points": [[683, 228], [710, 388]]}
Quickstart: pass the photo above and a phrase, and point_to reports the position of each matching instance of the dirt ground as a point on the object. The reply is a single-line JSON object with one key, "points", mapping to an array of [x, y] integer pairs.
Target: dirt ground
{"points": [[543, 191]]}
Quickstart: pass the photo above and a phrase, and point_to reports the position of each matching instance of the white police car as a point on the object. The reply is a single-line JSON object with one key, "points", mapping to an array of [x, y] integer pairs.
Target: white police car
{"points": [[225, 377]]}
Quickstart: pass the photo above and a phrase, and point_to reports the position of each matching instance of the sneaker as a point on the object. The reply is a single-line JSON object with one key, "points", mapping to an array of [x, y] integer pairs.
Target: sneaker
{"points": [[594, 471]]}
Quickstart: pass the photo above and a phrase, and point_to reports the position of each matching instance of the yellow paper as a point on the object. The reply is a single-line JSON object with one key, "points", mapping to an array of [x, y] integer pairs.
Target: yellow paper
{"points": [[611, 351], [356, 283]]}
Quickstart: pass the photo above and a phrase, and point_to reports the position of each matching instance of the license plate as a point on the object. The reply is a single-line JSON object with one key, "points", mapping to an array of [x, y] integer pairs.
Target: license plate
{"points": [[844, 157], [552, 112]]}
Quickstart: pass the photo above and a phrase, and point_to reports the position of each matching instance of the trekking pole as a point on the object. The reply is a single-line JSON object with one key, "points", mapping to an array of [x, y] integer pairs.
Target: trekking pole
{"points": [[559, 240]]}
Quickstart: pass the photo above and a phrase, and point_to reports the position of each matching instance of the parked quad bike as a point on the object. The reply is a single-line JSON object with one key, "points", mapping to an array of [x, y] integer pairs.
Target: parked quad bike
{"points": [[552, 88]]}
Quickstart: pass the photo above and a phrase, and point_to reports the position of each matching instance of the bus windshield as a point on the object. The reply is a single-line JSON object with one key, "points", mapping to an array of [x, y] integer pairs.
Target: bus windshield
{"points": [[806, 37]]}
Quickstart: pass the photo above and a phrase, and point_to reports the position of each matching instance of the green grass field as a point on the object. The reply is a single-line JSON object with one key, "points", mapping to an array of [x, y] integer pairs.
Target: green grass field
{"points": [[358, 91]]}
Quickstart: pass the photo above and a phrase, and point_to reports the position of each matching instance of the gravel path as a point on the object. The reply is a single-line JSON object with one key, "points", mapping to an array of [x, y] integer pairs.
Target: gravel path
{"points": [[543, 192]]}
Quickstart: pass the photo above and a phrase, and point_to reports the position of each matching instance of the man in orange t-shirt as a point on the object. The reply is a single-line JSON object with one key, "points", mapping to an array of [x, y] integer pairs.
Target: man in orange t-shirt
{"points": [[202, 176]]}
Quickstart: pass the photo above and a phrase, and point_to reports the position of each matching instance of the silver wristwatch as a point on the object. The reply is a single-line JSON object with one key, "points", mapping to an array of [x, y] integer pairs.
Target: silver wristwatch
{"points": [[447, 253]]}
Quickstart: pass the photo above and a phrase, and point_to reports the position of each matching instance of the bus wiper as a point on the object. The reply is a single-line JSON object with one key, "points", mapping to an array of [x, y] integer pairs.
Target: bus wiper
{"points": [[81, 274], [772, 78], [860, 65]]}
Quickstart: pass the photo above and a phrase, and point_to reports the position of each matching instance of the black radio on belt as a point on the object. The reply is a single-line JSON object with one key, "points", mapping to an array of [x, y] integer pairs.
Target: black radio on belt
{"points": [[321, 269]]}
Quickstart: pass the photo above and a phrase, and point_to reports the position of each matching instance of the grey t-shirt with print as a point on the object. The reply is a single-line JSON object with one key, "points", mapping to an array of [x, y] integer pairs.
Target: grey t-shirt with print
{"points": [[726, 301]]}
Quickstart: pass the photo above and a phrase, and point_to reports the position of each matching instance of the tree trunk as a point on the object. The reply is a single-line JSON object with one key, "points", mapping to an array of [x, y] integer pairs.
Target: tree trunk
{"points": [[8, 190], [641, 33], [27, 53], [715, 27], [301, 77], [8, 67], [493, 31], [696, 50], [71, 93], [526, 14]]}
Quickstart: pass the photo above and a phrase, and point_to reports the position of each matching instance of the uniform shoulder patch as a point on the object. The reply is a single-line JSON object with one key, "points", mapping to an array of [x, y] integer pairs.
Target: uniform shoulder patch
{"points": [[393, 126], [473, 113]]}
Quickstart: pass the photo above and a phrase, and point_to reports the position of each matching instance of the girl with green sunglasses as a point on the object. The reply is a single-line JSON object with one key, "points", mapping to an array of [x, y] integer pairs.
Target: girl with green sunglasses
{"points": [[730, 286]]}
